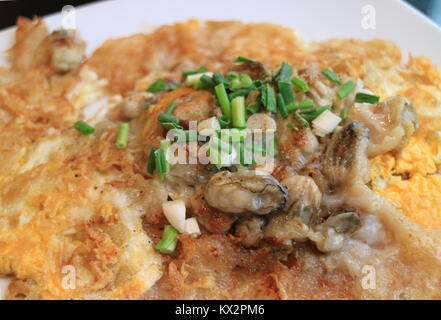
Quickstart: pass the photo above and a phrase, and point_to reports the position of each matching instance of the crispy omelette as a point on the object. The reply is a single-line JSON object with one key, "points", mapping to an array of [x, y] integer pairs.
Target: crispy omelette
{"points": [[347, 211]]}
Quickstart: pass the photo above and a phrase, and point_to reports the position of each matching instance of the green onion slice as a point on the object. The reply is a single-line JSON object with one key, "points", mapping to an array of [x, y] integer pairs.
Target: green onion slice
{"points": [[164, 145], [245, 155], [224, 121], [302, 121], [171, 126], [238, 112], [245, 80], [344, 113], [158, 85], [285, 88], [169, 240], [232, 75], [151, 162], [205, 82], [366, 98], [222, 97], [311, 115], [160, 163], [123, 135], [188, 73], [243, 59], [241, 92], [235, 84], [269, 98], [164, 117], [300, 83], [282, 106], [285, 72], [254, 107], [170, 108], [346, 89], [331, 76], [84, 128], [218, 78], [305, 104]]}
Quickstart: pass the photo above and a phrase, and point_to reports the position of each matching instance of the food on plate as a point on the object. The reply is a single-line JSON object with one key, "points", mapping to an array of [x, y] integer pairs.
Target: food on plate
{"points": [[218, 160]]}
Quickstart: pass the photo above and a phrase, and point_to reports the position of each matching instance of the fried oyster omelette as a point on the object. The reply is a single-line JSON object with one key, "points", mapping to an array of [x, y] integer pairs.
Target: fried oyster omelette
{"points": [[91, 207]]}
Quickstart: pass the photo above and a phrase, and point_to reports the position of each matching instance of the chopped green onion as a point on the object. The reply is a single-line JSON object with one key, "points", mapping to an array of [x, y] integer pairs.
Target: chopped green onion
{"points": [[300, 83], [194, 80], [84, 128], [245, 80], [205, 82], [236, 84], [311, 115], [282, 106], [344, 113], [243, 59], [219, 78], [300, 119], [269, 98], [346, 89], [285, 72], [232, 75], [366, 98], [171, 126], [258, 84], [169, 240], [147, 105], [291, 126], [285, 88], [222, 97], [224, 121], [151, 162], [245, 156], [215, 156], [188, 73], [164, 117], [164, 145], [331, 76], [241, 92], [254, 107], [305, 104], [160, 163], [218, 148], [170, 108], [123, 135], [238, 112], [158, 85]]}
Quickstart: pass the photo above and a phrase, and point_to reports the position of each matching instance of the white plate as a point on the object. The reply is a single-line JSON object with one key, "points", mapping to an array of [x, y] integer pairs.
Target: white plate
{"points": [[314, 19]]}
